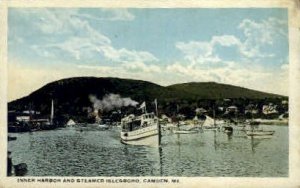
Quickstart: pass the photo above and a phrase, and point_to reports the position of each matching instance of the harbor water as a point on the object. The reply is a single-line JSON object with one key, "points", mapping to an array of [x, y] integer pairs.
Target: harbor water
{"points": [[68, 152]]}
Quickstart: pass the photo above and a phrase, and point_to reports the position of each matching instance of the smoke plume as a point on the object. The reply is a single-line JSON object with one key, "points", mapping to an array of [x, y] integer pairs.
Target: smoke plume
{"points": [[111, 101]]}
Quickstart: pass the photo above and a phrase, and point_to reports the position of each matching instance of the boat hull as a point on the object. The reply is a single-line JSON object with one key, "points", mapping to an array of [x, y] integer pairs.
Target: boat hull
{"points": [[145, 141], [144, 136]]}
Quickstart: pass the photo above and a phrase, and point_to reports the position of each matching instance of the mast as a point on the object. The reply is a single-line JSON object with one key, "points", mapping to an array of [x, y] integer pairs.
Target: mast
{"points": [[52, 112], [158, 125], [155, 102], [214, 115]]}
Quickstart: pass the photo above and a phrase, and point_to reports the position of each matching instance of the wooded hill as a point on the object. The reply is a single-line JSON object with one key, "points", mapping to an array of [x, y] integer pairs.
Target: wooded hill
{"points": [[71, 95]]}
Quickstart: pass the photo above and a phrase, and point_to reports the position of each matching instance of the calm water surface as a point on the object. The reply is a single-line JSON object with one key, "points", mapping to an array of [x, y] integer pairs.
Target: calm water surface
{"points": [[67, 152]]}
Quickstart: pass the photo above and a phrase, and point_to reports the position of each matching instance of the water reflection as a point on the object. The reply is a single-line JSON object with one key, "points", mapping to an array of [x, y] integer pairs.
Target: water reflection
{"points": [[229, 135], [254, 143], [160, 161]]}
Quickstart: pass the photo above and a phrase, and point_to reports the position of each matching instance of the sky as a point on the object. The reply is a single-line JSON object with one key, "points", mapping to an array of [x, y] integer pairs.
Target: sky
{"points": [[246, 47]]}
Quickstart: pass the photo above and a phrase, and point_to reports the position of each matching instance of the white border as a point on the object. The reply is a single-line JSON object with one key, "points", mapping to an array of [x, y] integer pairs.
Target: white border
{"points": [[294, 84]]}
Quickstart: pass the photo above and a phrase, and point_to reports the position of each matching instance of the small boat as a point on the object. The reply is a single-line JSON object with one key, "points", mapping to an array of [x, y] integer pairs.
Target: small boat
{"points": [[256, 132], [209, 124], [259, 134], [10, 138], [227, 129], [20, 169], [168, 126], [102, 127], [140, 130]]}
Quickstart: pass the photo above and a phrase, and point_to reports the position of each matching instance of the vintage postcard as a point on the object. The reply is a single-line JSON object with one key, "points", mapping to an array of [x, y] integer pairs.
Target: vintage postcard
{"points": [[150, 94]]}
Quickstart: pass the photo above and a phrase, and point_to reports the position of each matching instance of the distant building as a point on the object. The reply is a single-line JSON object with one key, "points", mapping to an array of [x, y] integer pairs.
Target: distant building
{"points": [[165, 118], [23, 118], [180, 116], [31, 112], [221, 108], [231, 109], [251, 109], [200, 111], [269, 109]]}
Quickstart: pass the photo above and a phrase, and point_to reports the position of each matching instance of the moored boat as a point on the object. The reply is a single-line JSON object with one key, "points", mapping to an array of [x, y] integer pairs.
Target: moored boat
{"points": [[10, 138], [185, 131], [20, 169], [256, 131], [227, 129], [209, 124], [259, 134]]}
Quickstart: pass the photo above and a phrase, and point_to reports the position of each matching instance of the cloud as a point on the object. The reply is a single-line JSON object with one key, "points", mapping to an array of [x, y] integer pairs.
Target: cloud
{"points": [[100, 70], [125, 56], [260, 34], [142, 67], [68, 35], [22, 80], [76, 47], [258, 37], [254, 78], [80, 39], [111, 15], [120, 14], [141, 71], [210, 60], [203, 52], [53, 20]]}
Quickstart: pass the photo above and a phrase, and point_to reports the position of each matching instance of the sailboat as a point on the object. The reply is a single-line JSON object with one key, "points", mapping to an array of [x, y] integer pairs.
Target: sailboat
{"points": [[141, 130], [70, 123], [209, 124]]}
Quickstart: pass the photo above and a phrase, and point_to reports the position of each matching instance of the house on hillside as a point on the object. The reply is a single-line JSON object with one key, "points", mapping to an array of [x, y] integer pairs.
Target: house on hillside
{"points": [[14, 116], [200, 111], [31, 112], [231, 109], [269, 109], [251, 109], [221, 108], [23, 118], [180, 117], [284, 102], [166, 119]]}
